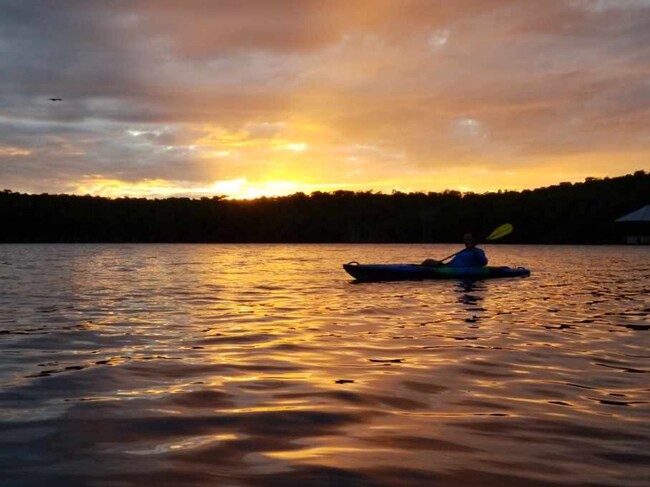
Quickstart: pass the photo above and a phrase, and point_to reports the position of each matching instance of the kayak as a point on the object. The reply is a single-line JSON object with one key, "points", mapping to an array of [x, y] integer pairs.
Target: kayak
{"points": [[404, 272]]}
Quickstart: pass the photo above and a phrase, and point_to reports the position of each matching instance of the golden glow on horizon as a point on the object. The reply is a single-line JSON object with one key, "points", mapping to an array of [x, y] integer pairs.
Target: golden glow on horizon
{"points": [[481, 180], [267, 159]]}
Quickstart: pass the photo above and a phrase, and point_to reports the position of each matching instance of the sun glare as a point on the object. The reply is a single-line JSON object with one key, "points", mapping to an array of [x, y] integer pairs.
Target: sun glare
{"points": [[239, 188], [297, 147]]}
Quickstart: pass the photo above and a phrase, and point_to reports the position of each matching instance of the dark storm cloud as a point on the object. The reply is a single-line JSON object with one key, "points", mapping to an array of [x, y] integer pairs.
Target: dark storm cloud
{"points": [[71, 49]]}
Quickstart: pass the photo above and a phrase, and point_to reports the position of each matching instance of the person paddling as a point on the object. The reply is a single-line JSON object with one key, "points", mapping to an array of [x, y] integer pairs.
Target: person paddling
{"points": [[470, 256]]}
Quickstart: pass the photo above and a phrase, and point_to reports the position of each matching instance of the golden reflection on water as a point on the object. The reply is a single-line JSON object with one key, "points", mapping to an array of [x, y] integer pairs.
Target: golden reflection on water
{"points": [[255, 364]]}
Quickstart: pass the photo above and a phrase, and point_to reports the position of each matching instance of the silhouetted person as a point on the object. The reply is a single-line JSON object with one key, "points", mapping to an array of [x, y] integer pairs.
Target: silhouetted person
{"points": [[470, 256]]}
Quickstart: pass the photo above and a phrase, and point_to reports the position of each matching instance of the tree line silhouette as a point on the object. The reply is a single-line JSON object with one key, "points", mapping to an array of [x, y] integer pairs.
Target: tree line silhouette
{"points": [[567, 213]]}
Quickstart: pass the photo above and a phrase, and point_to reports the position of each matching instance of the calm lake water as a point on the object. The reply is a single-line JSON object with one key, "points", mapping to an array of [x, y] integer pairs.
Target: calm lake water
{"points": [[264, 365]]}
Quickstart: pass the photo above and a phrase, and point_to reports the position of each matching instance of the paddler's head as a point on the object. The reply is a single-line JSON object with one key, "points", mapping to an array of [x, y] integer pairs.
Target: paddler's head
{"points": [[468, 238]]}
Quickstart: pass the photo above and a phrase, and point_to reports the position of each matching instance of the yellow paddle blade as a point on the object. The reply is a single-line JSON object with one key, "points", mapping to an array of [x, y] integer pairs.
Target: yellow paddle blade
{"points": [[502, 231]]}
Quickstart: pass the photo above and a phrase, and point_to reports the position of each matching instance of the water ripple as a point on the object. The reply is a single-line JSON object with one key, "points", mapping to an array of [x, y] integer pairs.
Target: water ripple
{"points": [[194, 365]]}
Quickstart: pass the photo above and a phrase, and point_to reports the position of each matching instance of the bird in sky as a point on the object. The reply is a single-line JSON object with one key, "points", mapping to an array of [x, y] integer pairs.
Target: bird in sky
{"points": [[56, 99]]}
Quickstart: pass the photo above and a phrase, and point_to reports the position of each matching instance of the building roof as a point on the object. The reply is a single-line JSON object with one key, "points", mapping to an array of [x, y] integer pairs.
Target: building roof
{"points": [[640, 215]]}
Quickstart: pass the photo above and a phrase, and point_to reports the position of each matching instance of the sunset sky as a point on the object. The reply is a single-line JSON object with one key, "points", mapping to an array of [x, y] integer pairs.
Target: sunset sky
{"points": [[266, 97]]}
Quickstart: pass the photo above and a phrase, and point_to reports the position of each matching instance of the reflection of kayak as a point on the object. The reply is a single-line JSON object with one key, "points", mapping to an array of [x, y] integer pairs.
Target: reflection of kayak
{"points": [[402, 272]]}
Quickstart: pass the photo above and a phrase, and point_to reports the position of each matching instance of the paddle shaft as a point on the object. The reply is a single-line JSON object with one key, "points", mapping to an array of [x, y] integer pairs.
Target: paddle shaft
{"points": [[455, 254]]}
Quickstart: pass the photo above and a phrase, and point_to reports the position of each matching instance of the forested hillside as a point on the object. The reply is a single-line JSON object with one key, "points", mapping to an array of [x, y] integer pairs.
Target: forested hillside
{"points": [[564, 213]]}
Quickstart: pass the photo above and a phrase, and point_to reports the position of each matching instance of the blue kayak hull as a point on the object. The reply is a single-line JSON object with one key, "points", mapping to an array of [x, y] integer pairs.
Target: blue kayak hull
{"points": [[404, 272]]}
